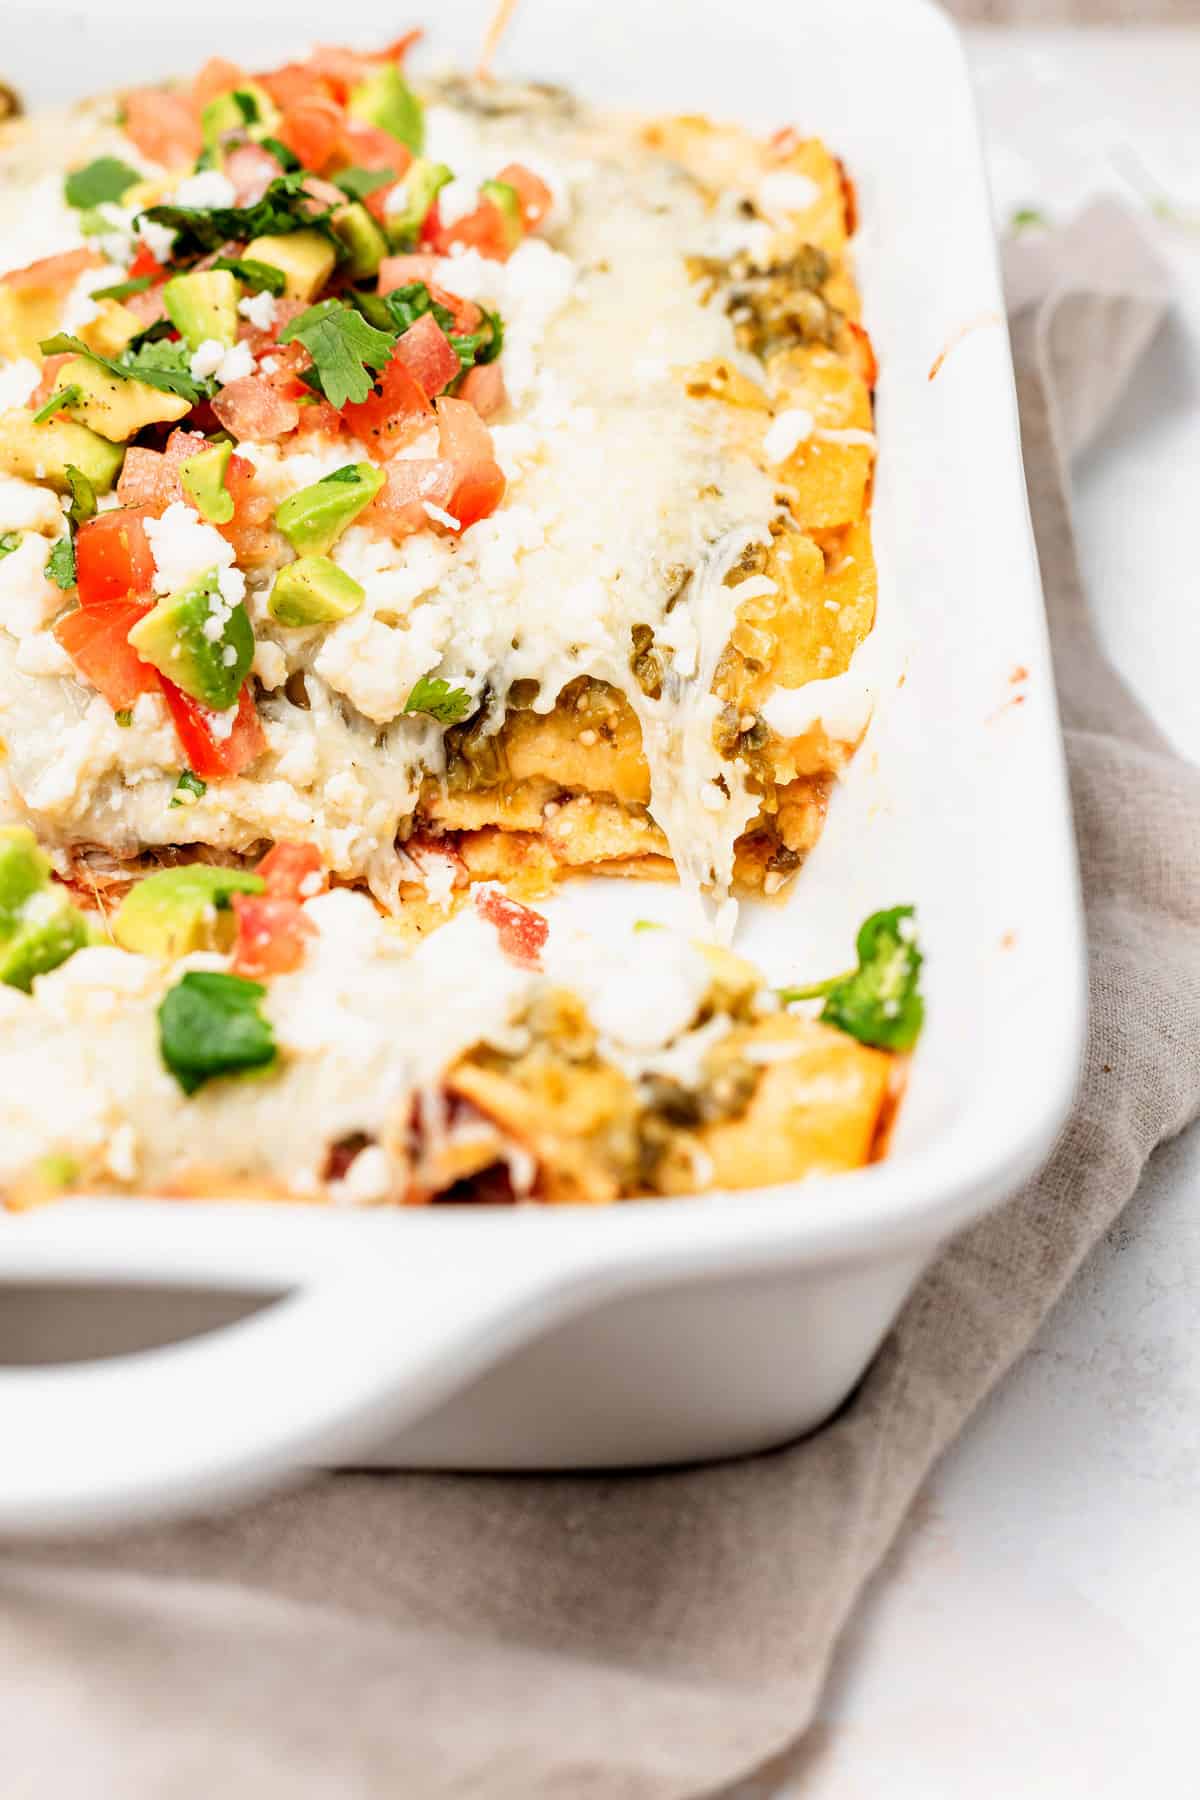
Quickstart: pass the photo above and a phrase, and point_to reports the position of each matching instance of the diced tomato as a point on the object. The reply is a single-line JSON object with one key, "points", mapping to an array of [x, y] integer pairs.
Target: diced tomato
{"points": [[402, 271], [862, 352], [849, 197], [521, 931], [318, 419], [486, 230], [271, 935], [148, 306], [49, 381], [312, 129], [251, 529], [428, 355], [370, 147], [95, 638], [397, 51], [218, 76], [145, 263], [466, 443], [251, 170], [208, 755], [377, 203], [393, 415], [341, 68], [163, 125], [535, 197], [399, 508], [252, 408], [483, 388], [463, 438], [477, 493], [112, 557], [51, 273], [294, 82], [293, 871], [150, 478]]}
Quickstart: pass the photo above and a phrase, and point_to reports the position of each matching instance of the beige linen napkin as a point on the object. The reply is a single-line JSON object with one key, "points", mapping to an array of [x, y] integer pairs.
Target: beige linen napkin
{"points": [[652, 1636]]}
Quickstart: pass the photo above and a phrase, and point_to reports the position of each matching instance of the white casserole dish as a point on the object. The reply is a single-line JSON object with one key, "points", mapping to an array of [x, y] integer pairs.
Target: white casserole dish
{"points": [[688, 1329]]}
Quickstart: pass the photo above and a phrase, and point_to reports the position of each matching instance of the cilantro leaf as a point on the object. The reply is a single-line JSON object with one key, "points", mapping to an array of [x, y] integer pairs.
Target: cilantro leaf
{"points": [[349, 472], [60, 564], [255, 274], [439, 700], [342, 345], [70, 395], [287, 159], [104, 180], [159, 365], [358, 183], [188, 789], [210, 1024], [83, 497], [9, 542], [283, 208], [121, 290], [1026, 218], [879, 1002], [247, 105]]}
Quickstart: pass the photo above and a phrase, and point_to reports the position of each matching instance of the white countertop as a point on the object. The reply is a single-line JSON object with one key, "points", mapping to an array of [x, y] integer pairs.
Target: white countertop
{"points": [[1037, 1632]]}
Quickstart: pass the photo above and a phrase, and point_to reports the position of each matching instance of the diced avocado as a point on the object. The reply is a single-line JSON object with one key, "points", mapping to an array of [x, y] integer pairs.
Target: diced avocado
{"points": [[506, 198], [112, 328], [24, 871], [247, 108], [198, 641], [114, 405], [203, 479], [183, 909], [423, 182], [362, 238], [314, 519], [43, 452], [39, 927], [385, 99], [305, 259], [26, 318], [313, 591], [204, 306]]}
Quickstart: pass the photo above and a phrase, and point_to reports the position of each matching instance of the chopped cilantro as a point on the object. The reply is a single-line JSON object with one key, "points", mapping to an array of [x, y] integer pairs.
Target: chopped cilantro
{"points": [[283, 208], [358, 183], [287, 159], [124, 717], [188, 789], [439, 700], [210, 1024], [349, 472], [121, 290], [648, 925], [60, 564], [879, 1002], [70, 395], [258, 275], [159, 365], [342, 345], [106, 179], [83, 497], [247, 105], [9, 542], [1026, 218]]}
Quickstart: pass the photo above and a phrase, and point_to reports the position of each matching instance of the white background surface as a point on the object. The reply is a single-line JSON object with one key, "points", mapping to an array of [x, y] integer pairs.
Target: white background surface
{"points": [[1038, 1631]]}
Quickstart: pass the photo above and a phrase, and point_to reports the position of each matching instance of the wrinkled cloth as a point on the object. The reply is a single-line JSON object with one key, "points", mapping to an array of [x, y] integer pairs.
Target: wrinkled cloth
{"points": [[654, 1636]]}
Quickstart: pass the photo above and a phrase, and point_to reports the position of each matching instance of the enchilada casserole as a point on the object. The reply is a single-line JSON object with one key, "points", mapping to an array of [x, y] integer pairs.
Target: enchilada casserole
{"points": [[421, 494]]}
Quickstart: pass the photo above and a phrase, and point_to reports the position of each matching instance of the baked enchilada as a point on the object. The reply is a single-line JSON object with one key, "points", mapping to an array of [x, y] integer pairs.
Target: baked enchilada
{"points": [[424, 490]]}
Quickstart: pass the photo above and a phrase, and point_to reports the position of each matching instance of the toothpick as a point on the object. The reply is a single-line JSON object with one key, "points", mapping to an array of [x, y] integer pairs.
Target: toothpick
{"points": [[498, 25]]}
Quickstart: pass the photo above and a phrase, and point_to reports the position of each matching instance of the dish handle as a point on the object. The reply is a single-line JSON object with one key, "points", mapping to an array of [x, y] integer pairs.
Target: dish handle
{"points": [[315, 1376]]}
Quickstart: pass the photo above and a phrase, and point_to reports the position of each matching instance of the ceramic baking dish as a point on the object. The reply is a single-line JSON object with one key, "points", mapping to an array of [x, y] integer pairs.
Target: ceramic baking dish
{"points": [[665, 1331]]}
